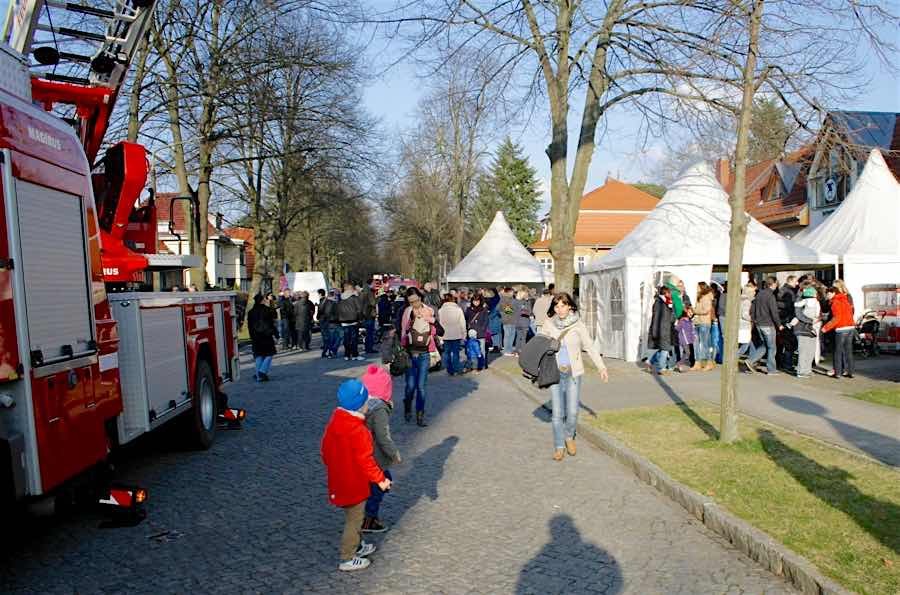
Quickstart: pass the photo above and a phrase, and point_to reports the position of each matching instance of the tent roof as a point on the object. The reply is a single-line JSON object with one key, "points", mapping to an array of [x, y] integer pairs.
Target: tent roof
{"points": [[868, 220], [498, 257], [691, 224]]}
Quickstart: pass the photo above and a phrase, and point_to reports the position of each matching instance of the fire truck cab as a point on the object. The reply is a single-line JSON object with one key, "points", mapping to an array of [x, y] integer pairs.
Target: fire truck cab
{"points": [[84, 370]]}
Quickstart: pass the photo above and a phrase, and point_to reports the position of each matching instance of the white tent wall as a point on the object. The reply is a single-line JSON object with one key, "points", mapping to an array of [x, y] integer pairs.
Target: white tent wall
{"points": [[622, 333]]}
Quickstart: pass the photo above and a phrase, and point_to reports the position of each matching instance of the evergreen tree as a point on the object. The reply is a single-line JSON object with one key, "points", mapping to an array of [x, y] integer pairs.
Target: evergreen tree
{"points": [[511, 186], [769, 130]]}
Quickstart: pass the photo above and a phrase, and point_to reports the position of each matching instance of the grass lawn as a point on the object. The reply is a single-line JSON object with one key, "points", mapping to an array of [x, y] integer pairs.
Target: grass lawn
{"points": [[882, 396], [837, 510]]}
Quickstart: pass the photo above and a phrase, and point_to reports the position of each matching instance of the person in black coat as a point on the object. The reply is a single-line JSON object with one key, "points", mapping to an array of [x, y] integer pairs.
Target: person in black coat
{"points": [[303, 320], [261, 324], [659, 338], [787, 295]]}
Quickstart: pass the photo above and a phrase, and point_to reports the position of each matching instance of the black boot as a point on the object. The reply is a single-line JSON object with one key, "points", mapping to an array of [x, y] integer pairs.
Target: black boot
{"points": [[420, 419], [407, 410]]}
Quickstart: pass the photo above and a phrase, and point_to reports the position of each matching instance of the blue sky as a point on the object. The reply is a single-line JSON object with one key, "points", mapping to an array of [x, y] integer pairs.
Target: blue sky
{"points": [[621, 153]]}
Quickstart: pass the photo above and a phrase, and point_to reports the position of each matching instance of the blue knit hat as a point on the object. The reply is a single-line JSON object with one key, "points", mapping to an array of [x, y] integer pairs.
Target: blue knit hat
{"points": [[352, 395]]}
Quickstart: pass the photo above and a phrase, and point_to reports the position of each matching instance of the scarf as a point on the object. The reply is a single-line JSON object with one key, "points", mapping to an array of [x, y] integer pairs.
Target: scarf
{"points": [[562, 323]]}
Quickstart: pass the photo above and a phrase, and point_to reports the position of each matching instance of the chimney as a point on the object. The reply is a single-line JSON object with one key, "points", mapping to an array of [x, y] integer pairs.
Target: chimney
{"points": [[219, 220], [723, 173]]}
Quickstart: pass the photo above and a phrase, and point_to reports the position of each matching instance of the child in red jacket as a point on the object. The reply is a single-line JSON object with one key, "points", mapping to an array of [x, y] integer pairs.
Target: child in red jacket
{"points": [[347, 453]]}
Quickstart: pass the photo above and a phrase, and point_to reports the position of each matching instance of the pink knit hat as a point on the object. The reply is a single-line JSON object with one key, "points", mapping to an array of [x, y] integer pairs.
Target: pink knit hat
{"points": [[378, 382]]}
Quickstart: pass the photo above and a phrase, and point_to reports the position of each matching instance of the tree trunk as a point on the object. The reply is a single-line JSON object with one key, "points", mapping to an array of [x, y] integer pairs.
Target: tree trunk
{"points": [[728, 422], [134, 98]]}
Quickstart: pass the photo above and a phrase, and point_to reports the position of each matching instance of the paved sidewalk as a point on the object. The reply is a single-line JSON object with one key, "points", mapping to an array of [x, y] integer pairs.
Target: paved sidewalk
{"points": [[478, 507], [816, 406]]}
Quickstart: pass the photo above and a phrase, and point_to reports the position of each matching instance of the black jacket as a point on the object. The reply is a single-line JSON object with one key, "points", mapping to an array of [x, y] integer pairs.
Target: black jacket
{"points": [[261, 324], [787, 295], [349, 309], [303, 313], [660, 336], [764, 310], [286, 307], [477, 319], [367, 304]]}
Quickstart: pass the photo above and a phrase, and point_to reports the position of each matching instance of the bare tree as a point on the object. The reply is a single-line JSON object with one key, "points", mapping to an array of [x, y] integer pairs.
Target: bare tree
{"points": [[623, 52]]}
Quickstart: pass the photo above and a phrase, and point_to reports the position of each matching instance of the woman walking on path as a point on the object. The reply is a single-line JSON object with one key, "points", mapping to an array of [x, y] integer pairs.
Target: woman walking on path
{"points": [[566, 326], [843, 325], [704, 312], [453, 322], [417, 337], [477, 319], [523, 318], [261, 324]]}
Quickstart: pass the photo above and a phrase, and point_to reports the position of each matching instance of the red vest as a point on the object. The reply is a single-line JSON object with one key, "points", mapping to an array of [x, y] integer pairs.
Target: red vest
{"points": [[347, 453]]}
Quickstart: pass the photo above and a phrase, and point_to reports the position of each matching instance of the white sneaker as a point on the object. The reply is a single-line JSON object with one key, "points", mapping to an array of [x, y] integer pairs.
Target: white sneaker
{"points": [[346, 359], [365, 549], [360, 358], [355, 563]]}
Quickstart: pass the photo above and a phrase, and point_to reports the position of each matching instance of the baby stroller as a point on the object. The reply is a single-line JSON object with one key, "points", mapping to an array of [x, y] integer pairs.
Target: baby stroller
{"points": [[865, 339]]}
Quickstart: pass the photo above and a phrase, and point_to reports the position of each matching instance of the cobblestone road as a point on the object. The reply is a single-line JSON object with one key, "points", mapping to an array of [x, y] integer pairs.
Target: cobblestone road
{"points": [[478, 506]]}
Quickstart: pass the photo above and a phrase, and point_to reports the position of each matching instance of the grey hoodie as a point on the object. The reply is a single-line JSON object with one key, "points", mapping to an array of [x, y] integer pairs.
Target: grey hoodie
{"points": [[378, 419]]}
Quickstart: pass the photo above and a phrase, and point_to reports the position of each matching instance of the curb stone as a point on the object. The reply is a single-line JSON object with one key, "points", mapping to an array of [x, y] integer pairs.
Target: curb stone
{"points": [[755, 544]]}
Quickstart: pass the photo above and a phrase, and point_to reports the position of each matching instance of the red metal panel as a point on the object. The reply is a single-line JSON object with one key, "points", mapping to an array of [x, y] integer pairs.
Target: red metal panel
{"points": [[40, 139], [70, 435], [9, 345]]}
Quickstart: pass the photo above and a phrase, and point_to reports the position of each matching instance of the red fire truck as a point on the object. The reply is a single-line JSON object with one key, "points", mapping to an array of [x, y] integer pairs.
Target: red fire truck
{"points": [[89, 361]]}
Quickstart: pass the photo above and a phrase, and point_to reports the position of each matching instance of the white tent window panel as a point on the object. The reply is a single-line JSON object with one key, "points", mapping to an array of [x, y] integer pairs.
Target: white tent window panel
{"points": [[52, 234], [589, 308], [616, 305]]}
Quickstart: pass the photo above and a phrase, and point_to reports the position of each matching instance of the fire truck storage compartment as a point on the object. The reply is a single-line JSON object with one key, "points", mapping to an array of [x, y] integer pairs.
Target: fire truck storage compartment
{"points": [[152, 363], [52, 237]]}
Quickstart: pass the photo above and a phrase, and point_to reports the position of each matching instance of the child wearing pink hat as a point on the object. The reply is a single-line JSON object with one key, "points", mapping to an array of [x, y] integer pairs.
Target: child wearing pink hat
{"points": [[378, 418]]}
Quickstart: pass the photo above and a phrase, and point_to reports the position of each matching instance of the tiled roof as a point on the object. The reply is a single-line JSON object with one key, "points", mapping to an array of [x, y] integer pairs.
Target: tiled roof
{"points": [[761, 176], [867, 129], [602, 230], [618, 196], [245, 234], [606, 229]]}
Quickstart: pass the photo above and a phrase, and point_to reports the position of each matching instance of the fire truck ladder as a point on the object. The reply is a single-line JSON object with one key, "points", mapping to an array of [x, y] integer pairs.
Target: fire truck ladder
{"points": [[105, 35]]}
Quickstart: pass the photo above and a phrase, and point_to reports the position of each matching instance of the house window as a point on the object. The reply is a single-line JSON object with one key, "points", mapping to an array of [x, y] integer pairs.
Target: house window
{"points": [[579, 263], [218, 254], [242, 253], [547, 263], [832, 182]]}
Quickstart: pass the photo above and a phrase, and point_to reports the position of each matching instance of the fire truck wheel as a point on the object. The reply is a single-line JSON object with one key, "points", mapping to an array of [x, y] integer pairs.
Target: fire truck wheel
{"points": [[203, 411]]}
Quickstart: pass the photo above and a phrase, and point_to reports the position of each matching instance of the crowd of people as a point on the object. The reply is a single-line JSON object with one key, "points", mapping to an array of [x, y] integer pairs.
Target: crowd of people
{"points": [[789, 326], [423, 328]]}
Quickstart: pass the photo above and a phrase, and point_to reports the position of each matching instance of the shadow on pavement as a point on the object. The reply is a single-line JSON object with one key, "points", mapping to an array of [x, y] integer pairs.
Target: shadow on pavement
{"points": [[421, 478], [830, 484], [568, 564], [701, 423], [883, 448]]}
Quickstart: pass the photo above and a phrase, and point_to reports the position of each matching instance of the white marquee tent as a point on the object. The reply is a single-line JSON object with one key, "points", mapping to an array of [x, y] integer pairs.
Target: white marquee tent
{"points": [[498, 258], [686, 234], [864, 231]]}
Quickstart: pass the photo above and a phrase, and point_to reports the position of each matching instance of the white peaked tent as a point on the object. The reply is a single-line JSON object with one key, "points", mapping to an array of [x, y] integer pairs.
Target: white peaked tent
{"points": [[498, 258], [686, 234], [864, 231]]}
